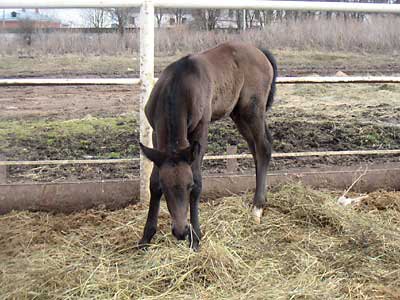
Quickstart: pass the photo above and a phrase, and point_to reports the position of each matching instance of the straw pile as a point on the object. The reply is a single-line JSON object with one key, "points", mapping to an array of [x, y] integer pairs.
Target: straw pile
{"points": [[307, 247]]}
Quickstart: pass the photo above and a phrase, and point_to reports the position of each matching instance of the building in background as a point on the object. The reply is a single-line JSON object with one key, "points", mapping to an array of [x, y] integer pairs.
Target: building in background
{"points": [[19, 19]]}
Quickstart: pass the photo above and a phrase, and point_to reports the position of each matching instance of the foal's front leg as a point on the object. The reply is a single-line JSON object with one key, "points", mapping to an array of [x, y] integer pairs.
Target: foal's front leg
{"points": [[151, 224], [195, 233], [199, 135]]}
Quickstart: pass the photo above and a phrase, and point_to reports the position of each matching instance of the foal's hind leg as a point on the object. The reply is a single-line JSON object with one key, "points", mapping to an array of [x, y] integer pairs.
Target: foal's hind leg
{"points": [[251, 124], [245, 132], [263, 150]]}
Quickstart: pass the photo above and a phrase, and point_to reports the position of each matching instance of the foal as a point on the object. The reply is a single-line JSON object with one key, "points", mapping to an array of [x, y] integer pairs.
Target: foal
{"points": [[233, 79]]}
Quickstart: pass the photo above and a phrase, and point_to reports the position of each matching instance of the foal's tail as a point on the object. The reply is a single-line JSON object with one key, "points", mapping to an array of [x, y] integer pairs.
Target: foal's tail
{"points": [[272, 60]]}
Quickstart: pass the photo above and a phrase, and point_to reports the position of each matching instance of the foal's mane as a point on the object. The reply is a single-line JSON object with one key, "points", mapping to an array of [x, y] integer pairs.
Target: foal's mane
{"points": [[175, 90]]}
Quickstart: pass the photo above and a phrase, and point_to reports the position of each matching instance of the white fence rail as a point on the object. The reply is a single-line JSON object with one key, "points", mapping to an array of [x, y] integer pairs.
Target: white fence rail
{"points": [[237, 4], [280, 5], [67, 81], [135, 81], [147, 33], [207, 157]]}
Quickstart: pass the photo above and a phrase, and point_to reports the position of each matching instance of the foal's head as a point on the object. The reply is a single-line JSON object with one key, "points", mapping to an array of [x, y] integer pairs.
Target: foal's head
{"points": [[176, 180]]}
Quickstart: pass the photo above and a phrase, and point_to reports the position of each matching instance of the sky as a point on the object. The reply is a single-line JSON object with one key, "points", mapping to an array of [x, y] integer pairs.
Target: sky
{"points": [[69, 16]]}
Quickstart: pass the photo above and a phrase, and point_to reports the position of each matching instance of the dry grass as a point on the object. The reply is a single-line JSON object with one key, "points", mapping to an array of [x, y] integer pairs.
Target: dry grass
{"points": [[376, 35], [366, 104], [307, 247]]}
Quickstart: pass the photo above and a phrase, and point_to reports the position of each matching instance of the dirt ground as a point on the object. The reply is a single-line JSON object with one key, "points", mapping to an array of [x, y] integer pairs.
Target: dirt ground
{"points": [[60, 102]]}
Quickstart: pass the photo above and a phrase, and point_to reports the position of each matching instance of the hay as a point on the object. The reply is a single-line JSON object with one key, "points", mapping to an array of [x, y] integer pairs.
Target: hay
{"points": [[306, 247], [381, 201]]}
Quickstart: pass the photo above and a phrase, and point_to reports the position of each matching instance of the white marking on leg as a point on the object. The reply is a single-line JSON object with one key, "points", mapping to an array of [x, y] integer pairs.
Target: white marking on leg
{"points": [[257, 212]]}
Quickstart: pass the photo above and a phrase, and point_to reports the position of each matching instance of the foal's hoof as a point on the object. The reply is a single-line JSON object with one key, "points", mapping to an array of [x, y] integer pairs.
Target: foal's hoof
{"points": [[194, 243], [257, 213], [195, 246], [142, 245]]}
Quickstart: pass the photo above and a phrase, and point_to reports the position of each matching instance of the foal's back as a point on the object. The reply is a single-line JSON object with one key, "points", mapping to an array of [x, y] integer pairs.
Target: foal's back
{"points": [[210, 85], [239, 74]]}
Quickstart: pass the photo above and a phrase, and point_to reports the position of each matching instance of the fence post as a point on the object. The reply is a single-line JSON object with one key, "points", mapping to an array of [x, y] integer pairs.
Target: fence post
{"points": [[231, 163], [3, 171], [146, 85]]}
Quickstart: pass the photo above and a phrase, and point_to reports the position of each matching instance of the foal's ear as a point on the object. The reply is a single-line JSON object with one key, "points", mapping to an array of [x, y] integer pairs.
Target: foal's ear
{"points": [[154, 155], [192, 152]]}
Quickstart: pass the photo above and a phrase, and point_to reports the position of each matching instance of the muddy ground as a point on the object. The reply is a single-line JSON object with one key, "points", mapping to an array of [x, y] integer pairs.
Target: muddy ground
{"points": [[66, 103], [39, 123]]}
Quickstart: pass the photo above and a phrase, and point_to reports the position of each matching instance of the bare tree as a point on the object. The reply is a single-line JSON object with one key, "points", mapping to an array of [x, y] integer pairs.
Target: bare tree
{"points": [[251, 17], [159, 13], [179, 13], [266, 17], [120, 17], [207, 18], [96, 18], [239, 18]]}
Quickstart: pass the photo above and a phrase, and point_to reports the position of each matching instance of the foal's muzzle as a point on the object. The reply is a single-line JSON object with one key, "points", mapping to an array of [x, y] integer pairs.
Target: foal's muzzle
{"points": [[180, 234]]}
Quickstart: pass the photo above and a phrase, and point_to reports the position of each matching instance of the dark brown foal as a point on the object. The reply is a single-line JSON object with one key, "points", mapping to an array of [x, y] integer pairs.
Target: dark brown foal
{"points": [[233, 79]]}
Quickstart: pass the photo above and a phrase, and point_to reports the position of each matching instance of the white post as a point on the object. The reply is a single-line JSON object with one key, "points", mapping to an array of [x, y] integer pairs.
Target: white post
{"points": [[147, 82]]}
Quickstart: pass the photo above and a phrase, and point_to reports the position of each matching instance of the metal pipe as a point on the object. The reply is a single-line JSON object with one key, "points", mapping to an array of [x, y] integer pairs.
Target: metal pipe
{"points": [[281, 5], [222, 4], [135, 81], [67, 81], [338, 79], [207, 157]]}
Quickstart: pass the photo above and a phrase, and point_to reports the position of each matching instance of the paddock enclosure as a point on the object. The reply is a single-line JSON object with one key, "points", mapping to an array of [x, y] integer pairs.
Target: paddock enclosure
{"points": [[73, 188]]}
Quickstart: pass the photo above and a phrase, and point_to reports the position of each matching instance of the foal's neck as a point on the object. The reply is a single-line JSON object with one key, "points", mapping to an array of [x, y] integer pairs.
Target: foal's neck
{"points": [[172, 132]]}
